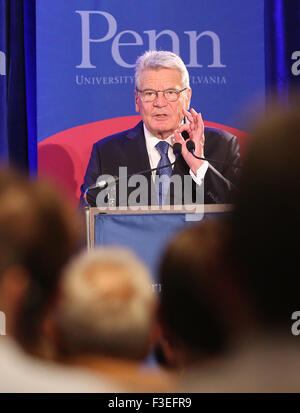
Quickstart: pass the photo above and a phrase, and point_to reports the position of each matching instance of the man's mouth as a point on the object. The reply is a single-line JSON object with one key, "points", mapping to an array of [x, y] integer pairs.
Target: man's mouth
{"points": [[160, 116]]}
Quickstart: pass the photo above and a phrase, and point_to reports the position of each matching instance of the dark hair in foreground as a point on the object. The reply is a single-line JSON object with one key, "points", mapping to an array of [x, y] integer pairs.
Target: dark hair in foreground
{"points": [[226, 280], [37, 234], [202, 304], [266, 223]]}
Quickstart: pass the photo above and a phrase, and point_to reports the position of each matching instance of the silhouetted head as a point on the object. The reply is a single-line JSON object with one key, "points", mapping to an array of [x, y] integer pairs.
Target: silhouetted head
{"points": [[38, 234]]}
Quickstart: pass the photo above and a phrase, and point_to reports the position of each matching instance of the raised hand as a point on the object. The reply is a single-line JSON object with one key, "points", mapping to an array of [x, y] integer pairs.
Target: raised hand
{"points": [[195, 129]]}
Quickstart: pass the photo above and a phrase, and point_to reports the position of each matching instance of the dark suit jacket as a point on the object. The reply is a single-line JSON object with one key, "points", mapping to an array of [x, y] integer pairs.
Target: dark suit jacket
{"points": [[128, 149]]}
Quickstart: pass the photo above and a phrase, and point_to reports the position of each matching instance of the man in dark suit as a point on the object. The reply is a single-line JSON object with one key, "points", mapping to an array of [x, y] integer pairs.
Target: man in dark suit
{"points": [[162, 97]]}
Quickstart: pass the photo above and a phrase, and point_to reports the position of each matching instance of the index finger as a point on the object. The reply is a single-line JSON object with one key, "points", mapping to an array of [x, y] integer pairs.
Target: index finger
{"points": [[198, 117], [188, 115]]}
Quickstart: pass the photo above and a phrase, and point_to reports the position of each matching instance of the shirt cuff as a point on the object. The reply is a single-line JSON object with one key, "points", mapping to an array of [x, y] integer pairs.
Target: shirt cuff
{"points": [[200, 173]]}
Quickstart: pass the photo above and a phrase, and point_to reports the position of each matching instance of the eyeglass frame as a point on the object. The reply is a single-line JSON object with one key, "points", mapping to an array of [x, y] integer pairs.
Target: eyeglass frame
{"points": [[163, 92]]}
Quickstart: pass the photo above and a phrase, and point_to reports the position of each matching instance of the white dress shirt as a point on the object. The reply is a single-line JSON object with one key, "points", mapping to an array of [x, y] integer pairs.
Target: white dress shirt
{"points": [[154, 156]]}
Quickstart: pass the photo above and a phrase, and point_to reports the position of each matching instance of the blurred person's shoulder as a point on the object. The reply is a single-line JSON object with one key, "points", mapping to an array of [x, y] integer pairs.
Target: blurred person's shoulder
{"points": [[21, 373], [131, 376], [268, 364]]}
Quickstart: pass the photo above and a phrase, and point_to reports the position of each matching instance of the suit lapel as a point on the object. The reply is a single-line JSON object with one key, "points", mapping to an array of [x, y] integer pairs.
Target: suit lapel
{"points": [[136, 151]]}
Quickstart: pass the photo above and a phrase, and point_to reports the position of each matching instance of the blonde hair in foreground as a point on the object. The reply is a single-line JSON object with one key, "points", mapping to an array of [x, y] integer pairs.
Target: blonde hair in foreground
{"points": [[107, 304]]}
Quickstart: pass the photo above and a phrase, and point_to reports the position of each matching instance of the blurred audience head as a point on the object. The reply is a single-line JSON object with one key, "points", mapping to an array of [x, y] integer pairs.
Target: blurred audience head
{"points": [[37, 237], [107, 306], [202, 306], [266, 222]]}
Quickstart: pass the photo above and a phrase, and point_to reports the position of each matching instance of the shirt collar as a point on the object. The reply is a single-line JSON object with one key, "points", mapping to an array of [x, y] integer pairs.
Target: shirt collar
{"points": [[152, 140]]}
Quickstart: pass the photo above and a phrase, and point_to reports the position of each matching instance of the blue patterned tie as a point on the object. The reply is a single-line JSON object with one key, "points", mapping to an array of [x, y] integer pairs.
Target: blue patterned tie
{"points": [[162, 187]]}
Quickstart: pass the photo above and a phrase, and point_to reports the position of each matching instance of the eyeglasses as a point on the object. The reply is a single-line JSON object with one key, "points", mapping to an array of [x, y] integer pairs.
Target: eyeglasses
{"points": [[149, 95]]}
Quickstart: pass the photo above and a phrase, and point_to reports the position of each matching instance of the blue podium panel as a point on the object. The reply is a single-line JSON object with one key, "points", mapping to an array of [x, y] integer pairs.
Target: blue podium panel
{"points": [[146, 234]]}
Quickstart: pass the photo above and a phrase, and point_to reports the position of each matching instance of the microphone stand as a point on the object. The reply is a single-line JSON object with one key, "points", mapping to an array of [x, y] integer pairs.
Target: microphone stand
{"points": [[87, 213], [104, 184], [107, 184]]}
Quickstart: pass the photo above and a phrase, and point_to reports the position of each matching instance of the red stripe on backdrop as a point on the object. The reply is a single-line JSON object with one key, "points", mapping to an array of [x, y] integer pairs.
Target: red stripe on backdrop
{"points": [[63, 157]]}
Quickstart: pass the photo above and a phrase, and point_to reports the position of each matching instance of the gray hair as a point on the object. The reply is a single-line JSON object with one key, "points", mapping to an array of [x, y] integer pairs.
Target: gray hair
{"points": [[155, 59], [107, 304]]}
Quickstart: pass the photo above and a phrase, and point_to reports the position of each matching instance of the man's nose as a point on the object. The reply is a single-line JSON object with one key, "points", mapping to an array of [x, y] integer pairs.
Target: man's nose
{"points": [[160, 100]]}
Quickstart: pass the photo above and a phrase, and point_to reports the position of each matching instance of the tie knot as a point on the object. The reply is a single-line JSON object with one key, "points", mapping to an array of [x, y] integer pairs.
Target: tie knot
{"points": [[162, 147]]}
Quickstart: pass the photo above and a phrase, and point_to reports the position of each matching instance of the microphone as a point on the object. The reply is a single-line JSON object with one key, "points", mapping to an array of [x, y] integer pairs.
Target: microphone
{"points": [[101, 185], [185, 135], [177, 149], [190, 145]]}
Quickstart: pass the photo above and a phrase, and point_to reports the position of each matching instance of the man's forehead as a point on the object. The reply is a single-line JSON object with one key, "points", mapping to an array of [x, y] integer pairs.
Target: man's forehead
{"points": [[167, 77]]}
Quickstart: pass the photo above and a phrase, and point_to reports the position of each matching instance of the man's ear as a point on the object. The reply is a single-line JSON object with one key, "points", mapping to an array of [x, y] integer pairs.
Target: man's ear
{"points": [[188, 98], [136, 97]]}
